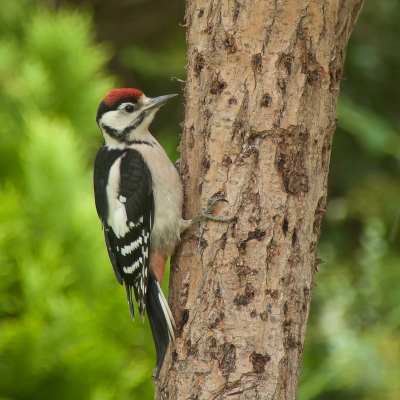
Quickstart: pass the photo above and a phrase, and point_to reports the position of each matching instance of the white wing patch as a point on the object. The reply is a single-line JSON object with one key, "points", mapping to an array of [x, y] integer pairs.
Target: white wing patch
{"points": [[132, 225], [119, 225], [134, 266], [131, 247], [117, 218]]}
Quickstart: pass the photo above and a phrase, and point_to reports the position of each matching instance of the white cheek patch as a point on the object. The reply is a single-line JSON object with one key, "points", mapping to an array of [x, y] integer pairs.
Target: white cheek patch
{"points": [[117, 119]]}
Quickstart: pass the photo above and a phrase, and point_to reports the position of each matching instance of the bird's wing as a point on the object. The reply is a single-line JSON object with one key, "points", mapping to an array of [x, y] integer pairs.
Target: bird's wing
{"points": [[128, 225]]}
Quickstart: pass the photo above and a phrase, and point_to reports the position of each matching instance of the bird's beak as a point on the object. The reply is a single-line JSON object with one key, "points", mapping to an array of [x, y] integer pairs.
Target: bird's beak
{"points": [[157, 102]]}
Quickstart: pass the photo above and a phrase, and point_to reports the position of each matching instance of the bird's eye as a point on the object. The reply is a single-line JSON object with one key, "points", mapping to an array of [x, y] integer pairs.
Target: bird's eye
{"points": [[129, 108]]}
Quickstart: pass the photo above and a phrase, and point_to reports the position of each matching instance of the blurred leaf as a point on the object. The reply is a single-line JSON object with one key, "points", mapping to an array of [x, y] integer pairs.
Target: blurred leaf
{"points": [[150, 63], [373, 132], [65, 329]]}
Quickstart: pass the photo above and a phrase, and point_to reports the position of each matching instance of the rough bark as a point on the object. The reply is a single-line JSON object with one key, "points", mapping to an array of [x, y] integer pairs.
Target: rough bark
{"points": [[262, 91]]}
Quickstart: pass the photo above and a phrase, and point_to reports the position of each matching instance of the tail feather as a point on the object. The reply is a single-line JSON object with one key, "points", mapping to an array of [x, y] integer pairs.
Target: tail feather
{"points": [[129, 298], [161, 320], [167, 312]]}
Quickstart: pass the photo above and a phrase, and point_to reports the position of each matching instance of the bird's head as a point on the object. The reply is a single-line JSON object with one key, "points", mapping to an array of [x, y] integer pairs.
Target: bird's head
{"points": [[124, 115]]}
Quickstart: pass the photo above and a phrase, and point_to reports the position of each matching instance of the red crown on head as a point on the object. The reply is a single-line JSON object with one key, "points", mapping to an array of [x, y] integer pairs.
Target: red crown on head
{"points": [[113, 95]]}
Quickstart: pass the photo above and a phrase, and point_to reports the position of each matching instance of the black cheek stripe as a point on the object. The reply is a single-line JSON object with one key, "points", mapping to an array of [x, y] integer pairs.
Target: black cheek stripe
{"points": [[112, 132]]}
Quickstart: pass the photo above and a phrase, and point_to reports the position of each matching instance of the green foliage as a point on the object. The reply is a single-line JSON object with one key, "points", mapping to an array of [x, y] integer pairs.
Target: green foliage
{"points": [[65, 333], [352, 346]]}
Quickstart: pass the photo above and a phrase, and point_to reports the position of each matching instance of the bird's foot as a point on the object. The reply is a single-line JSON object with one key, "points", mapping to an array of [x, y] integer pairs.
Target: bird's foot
{"points": [[206, 215]]}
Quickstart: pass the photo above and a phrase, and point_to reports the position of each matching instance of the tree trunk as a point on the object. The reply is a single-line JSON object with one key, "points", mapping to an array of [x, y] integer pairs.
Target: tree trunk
{"points": [[262, 92]]}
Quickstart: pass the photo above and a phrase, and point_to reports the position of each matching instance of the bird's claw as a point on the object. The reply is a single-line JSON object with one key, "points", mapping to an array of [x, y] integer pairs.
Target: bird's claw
{"points": [[207, 214], [212, 203]]}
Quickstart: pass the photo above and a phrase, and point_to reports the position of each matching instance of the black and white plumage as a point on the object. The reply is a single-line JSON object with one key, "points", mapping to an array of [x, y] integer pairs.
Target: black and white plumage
{"points": [[125, 204], [139, 198]]}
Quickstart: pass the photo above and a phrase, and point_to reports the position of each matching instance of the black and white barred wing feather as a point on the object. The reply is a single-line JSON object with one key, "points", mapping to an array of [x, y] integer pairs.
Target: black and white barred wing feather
{"points": [[127, 222]]}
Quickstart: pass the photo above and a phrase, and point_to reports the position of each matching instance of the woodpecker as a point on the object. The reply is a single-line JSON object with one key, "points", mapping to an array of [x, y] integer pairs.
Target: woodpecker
{"points": [[139, 198]]}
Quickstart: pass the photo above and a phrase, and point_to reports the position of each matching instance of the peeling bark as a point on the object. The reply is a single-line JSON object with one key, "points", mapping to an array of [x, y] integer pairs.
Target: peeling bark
{"points": [[262, 92]]}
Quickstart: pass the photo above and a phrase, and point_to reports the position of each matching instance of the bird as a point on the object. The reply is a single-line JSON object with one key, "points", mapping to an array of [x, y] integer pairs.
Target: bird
{"points": [[139, 200]]}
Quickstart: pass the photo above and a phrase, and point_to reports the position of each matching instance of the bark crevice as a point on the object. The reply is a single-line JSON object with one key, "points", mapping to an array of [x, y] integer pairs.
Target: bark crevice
{"points": [[262, 92]]}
